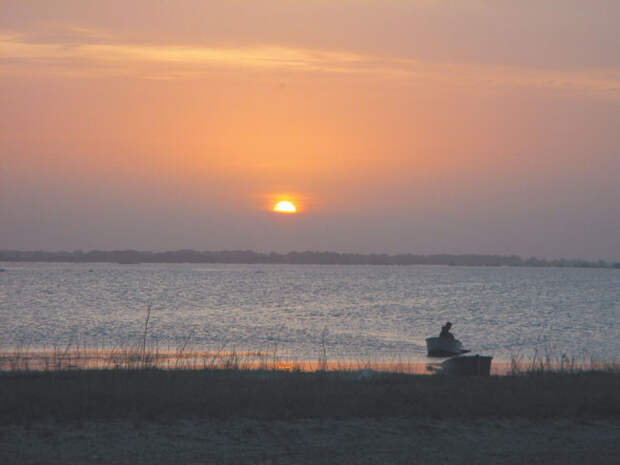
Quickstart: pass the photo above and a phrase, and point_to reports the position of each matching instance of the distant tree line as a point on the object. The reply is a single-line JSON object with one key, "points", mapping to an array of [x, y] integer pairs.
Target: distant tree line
{"points": [[293, 258]]}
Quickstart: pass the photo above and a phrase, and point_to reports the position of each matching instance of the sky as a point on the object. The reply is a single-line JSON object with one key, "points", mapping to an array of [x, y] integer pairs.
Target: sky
{"points": [[394, 126]]}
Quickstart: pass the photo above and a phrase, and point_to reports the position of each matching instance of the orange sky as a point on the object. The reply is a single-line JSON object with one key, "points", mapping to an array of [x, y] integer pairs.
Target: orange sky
{"points": [[399, 126]]}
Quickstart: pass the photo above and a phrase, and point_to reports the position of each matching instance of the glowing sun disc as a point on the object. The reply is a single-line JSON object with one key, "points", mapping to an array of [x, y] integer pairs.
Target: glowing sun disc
{"points": [[284, 206]]}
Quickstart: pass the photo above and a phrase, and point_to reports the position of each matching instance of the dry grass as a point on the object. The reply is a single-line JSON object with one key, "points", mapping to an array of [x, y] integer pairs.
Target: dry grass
{"points": [[151, 394], [143, 383]]}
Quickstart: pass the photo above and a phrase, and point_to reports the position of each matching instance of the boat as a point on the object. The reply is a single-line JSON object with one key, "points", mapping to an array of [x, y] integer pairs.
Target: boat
{"points": [[444, 347], [467, 365]]}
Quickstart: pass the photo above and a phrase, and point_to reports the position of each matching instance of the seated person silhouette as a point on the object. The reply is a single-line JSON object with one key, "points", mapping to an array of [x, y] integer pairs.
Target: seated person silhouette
{"points": [[445, 331]]}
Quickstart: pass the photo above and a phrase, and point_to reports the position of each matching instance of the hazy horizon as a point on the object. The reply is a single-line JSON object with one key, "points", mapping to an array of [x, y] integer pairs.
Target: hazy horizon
{"points": [[410, 126], [249, 256]]}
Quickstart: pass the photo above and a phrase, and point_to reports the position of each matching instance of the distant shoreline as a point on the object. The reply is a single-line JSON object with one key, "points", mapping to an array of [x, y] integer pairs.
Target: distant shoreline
{"points": [[291, 258]]}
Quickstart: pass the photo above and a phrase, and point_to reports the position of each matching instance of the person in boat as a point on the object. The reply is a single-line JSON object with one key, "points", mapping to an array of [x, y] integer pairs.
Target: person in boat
{"points": [[445, 331]]}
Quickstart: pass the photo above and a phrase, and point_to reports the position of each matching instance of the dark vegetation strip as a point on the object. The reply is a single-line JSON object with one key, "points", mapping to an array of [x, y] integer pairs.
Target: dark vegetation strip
{"points": [[291, 258], [169, 395]]}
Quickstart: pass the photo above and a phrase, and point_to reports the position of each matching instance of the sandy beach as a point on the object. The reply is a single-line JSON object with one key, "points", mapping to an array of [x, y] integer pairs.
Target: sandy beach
{"points": [[231, 417], [342, 441]]}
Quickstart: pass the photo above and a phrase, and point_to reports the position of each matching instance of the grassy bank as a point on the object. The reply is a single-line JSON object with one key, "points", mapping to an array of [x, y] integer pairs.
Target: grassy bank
{"points": [[147, 395]]}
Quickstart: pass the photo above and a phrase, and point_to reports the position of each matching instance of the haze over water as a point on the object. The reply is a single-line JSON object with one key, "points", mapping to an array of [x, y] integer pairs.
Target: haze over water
{"points": [[372, 313]]}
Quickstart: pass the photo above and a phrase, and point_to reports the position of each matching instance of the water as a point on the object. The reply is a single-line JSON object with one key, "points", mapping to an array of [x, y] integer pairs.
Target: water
{"points": [[359, 313]]}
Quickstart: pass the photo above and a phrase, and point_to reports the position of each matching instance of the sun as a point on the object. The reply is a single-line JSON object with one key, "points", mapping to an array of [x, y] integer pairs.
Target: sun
{"points": [[284, 206]]}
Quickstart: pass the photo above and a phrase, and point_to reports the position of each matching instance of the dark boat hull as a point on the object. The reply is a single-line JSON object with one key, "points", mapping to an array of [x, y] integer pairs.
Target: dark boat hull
{"points": [[467, 365]]}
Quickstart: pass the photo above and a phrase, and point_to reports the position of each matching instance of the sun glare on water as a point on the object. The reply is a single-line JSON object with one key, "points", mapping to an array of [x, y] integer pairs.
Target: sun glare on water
{"points": [[284, 206]]}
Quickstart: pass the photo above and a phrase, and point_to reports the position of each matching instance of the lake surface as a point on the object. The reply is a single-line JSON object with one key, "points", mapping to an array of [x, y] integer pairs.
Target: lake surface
{"points": [[358, 313]]}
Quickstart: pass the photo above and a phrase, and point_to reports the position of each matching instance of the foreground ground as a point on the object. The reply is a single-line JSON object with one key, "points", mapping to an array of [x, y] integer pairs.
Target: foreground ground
{"points": [[270, 417], [313, 441]]}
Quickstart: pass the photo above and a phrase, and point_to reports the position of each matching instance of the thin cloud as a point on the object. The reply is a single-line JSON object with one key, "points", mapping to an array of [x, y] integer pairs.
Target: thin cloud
{"points": [[75, 51]]}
